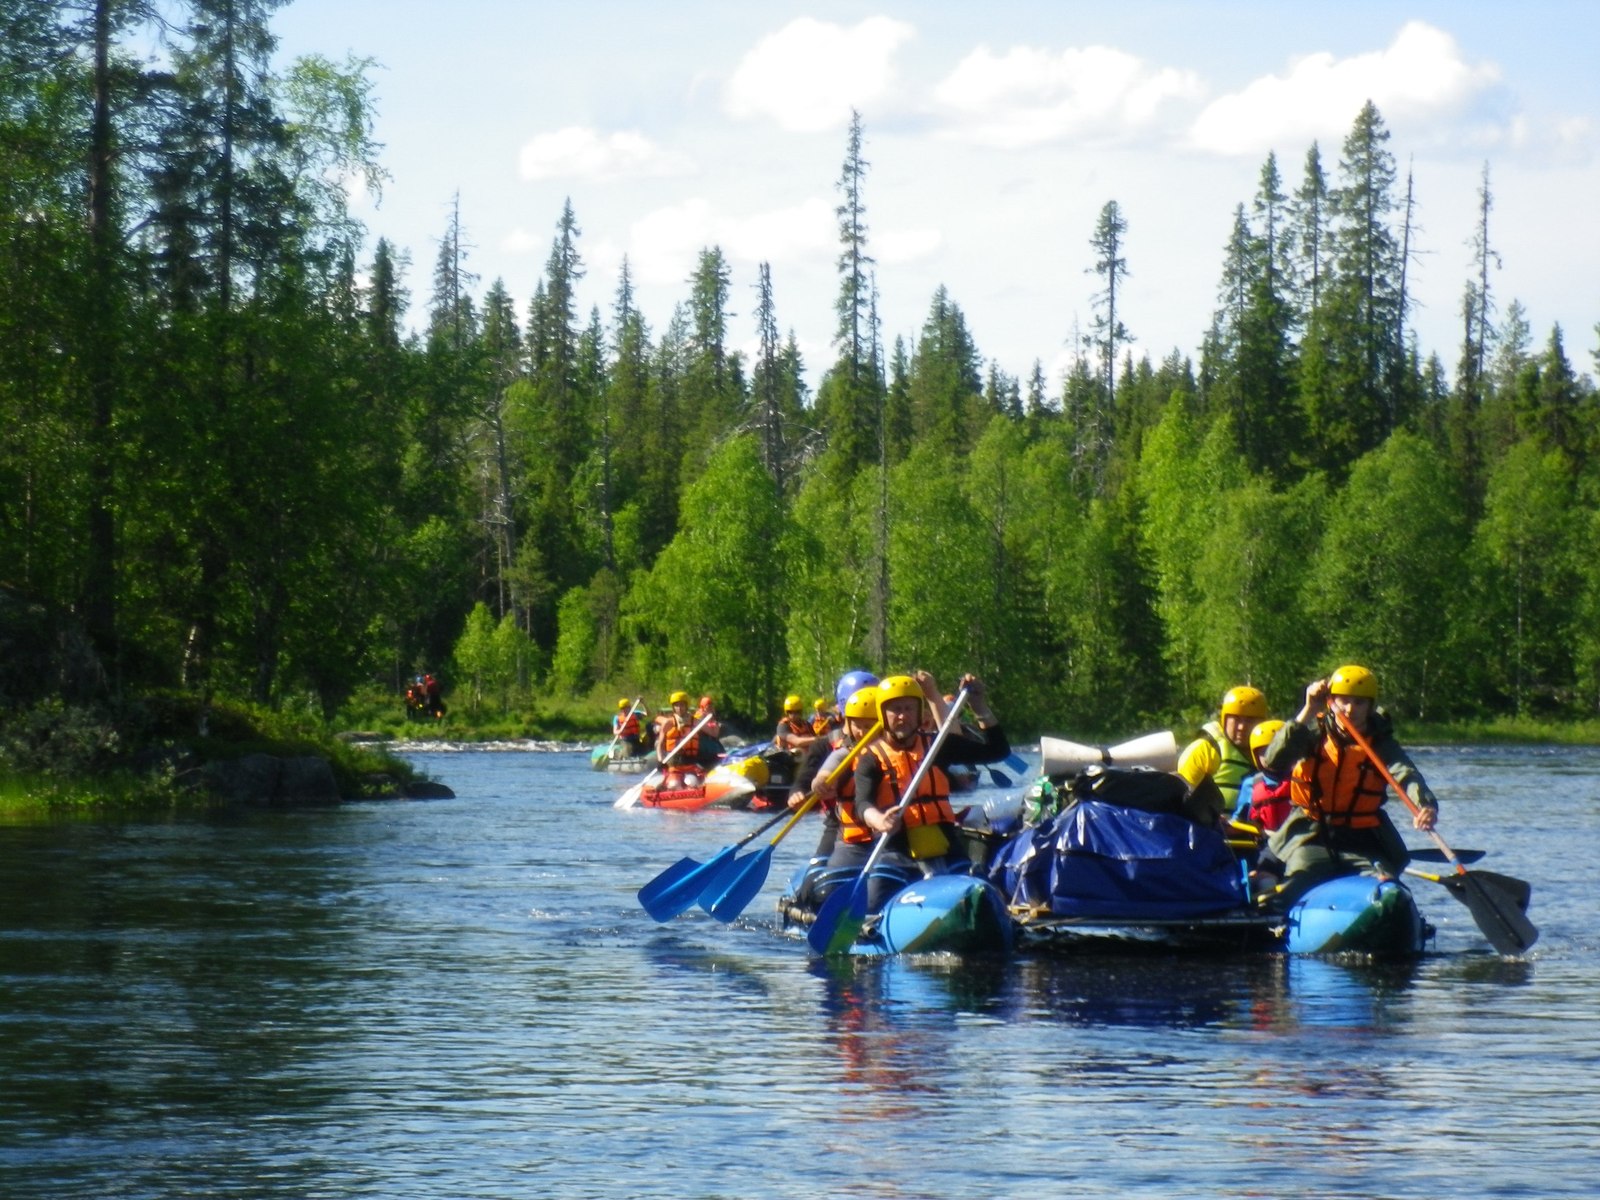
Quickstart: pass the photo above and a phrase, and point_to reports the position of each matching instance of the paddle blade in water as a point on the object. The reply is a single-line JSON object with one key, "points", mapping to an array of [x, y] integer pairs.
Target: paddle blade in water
{"points": [[839, 920], [737, 888], [598, 756], [631, 797], [1496, 910], [676, 889]]}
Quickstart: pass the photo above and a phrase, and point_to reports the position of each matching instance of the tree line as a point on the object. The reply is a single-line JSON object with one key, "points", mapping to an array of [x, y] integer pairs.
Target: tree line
{"points": [[227, 451]]}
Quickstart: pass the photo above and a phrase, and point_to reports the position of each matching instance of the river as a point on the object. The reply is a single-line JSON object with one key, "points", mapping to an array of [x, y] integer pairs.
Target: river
{"points": [[462, 998]]}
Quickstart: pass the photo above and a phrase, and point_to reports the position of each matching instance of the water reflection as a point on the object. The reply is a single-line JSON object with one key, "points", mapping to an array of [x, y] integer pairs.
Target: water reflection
{"points": [[136, 988], [1269, 992]]}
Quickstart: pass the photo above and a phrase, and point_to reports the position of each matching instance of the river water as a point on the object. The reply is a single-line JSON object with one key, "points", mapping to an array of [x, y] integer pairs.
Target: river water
{"points": [[462, 998]]}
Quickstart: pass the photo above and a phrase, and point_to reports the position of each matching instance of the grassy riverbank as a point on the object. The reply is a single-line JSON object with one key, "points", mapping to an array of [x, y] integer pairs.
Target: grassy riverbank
{"points": [[142, 756]]}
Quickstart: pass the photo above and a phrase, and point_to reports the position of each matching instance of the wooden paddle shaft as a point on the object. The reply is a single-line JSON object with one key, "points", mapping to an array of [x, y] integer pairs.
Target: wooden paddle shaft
{"points": [[1389, 778]]}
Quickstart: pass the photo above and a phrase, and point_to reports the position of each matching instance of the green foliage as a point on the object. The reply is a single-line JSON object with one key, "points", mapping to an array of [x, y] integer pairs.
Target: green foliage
{"points": [[572, 668], [1389, 568], [222, 448], [714, 599], [1528, 550], [943, 614]]}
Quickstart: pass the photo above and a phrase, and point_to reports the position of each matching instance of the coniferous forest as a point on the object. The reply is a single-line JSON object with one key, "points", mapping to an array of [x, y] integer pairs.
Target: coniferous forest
{"points": [[253, 457]]}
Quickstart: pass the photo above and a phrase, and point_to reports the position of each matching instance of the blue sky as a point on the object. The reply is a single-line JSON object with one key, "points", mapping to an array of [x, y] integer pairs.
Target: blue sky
{"points": [[995, 133]]}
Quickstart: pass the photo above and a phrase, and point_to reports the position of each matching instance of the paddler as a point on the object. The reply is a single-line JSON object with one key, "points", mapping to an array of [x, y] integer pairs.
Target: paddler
{"points": [[1221, 753], [626, 729], [923, 836], [1338, 794], [823, 719], [672, 738], [794, 731], [819, 762]]}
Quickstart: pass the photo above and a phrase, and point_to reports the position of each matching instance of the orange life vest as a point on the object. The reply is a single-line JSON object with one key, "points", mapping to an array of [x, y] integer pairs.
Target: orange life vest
{"points": [[672, 734], [793, 726], [1339, 785], [625, 727], [823, 722], [931, 805]]}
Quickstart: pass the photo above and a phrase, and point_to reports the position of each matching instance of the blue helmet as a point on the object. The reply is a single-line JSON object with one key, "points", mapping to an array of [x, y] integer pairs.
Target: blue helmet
{"points": [[850, 683]]}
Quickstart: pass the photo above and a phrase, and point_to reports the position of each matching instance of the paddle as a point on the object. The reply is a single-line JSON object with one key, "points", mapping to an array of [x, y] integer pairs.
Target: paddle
{"points": [[726, 896], [631, 797], [842, 915], [1492, 899], [999, 778], [597, 756], [1432, 854], [677, 888], [1428, 854], [1519, 891]]}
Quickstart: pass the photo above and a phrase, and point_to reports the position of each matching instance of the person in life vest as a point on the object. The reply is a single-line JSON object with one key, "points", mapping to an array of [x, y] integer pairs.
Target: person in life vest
{"points": [[821, 758], [1338, 819], [794, 731], [416, 700], [626, 729], [823, 719], [923, 836], [710, 736], [1221, 753], [433, 690], [672, 739], [806, 768], [1263, 797]]}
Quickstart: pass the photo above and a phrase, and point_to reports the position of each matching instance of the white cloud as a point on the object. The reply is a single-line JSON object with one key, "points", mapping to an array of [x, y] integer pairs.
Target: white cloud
{"points": [[1028, 96], [905, 245], [783, 235], [580, 153], [809, 75], [520, 241], [1420, 76], [664, 245]]}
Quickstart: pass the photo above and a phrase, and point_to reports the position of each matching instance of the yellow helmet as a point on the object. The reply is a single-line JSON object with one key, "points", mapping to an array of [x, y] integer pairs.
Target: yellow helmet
{"points": [[791, 703], [678, 698], [898, 687], [1261, 737], [1352, 680], [1244, 702], [862, 705], [624, 703], [819, 705]]}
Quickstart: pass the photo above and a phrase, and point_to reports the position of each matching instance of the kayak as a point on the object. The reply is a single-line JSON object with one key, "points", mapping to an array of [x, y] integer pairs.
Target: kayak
{"points": [[1360, 914], [722, 787], [632, 764], [940, 914], [1352, 914]]}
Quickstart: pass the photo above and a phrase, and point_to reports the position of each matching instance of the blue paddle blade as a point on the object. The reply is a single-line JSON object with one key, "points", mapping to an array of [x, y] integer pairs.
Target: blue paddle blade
{"points": [[738, 887], [839, 919], [676, 889]]}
